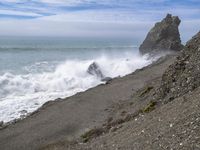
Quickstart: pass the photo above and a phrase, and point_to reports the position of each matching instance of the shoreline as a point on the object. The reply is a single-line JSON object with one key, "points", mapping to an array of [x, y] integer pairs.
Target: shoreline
{"points": [[153, 58], [70, 117], [20, 101]]}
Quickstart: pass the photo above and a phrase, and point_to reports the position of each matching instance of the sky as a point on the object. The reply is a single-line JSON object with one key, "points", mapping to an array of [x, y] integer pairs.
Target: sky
{"points": [[94, 18]]}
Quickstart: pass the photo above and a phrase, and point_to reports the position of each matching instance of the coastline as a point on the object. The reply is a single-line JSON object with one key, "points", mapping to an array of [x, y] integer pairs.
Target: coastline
{"points": [[67, 119], [152, 60], [25, 92]]}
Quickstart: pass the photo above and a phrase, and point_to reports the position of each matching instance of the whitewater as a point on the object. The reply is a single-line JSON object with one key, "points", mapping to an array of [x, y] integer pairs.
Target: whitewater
{"points": [[34, 72]]}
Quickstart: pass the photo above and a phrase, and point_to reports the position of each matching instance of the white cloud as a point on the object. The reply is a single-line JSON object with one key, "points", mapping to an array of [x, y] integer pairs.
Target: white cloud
{"points": [[19, 13], [73, 29], [125, 20], [135, 30], [78, 2], [93, 16], [11, 1], [120, 15]]}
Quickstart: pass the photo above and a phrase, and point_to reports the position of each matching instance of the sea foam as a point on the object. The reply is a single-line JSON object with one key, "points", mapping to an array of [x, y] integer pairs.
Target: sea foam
{"points": [[21, 94]]}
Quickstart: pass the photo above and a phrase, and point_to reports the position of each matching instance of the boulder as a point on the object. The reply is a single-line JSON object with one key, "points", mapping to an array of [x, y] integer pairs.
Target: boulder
{"points": [[164, 36], [95, 70]]}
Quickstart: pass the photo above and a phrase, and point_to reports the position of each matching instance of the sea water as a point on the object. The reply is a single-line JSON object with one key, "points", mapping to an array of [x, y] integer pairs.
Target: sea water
{"points": [[35, 70]]}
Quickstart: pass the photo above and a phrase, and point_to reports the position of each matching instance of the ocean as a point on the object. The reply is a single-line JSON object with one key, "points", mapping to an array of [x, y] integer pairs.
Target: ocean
{"points": [[35, 70]]}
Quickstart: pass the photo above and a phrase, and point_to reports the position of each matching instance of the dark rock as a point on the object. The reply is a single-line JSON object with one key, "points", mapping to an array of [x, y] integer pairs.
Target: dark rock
{"points": [[106, 79], [23, 112], [95, 70], [164, 36], [1, 124], [184, 75]]}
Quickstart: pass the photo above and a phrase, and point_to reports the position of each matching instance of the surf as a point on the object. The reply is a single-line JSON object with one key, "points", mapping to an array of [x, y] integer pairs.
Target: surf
{"points": [[22, 94]]}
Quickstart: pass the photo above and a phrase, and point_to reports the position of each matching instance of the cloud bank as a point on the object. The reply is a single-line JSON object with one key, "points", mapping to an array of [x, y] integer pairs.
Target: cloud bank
{"points": [[94, 18]]}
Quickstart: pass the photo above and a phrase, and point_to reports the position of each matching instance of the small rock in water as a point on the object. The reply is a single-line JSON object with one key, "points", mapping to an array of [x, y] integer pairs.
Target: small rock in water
{"points": [[1, 123], [36, 103], [106, 79], [23, 112], [95, 70]]}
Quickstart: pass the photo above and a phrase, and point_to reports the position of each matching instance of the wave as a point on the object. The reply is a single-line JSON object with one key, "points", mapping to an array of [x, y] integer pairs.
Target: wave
{"points": [[21, 94]]}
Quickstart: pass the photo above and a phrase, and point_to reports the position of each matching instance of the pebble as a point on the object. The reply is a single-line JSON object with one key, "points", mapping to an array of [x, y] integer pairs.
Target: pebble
{"points": [[102, 145], [142, 131]]}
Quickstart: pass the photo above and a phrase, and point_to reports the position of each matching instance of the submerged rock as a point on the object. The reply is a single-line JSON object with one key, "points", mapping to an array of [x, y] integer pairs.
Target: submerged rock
{"points": [[106, 79], [1, 124], [184, 75], [164, 36], [95, 70]]}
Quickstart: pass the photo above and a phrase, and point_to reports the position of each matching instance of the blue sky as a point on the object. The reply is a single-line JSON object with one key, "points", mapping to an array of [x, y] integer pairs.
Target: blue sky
{"points": [[94, 17]]}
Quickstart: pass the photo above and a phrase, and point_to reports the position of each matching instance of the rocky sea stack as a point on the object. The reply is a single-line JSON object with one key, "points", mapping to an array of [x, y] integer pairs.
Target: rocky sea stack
{"points": [[164, 36]]}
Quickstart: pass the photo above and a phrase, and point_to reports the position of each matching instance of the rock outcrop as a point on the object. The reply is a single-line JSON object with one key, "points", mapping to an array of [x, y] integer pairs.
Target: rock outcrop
{"points": [[164, 36], [95, 70], [184, 75]]}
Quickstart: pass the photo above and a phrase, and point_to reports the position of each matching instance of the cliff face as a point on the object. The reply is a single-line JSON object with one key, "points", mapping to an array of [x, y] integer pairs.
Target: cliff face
{"points": [[184, 75], [164, 36]]}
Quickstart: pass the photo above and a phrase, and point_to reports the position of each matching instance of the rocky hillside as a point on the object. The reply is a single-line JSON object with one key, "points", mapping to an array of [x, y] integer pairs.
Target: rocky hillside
{"points": [[183, 76], [147, 124], [144, 122], [164, 36]]}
